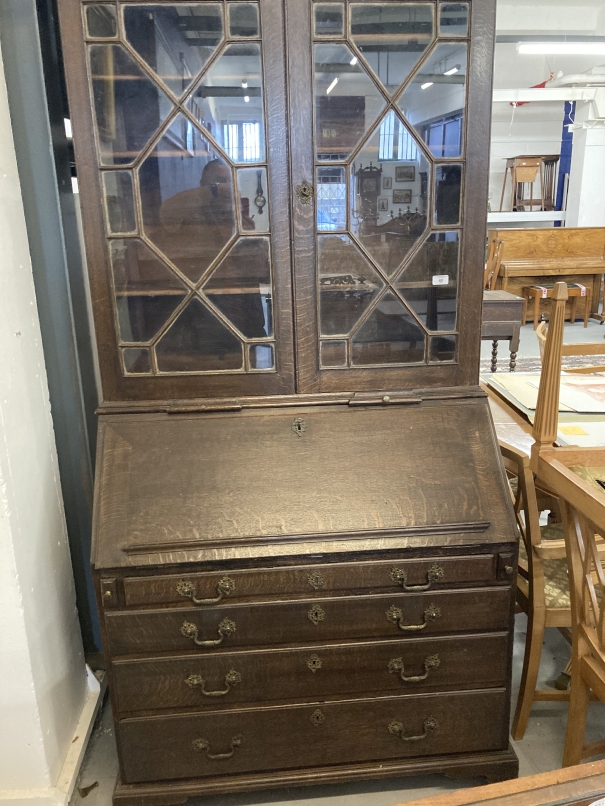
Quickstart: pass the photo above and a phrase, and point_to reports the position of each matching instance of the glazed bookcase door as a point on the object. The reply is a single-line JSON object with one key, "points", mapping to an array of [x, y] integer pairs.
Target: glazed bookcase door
{"points": [[178, 111], [390, 109]]}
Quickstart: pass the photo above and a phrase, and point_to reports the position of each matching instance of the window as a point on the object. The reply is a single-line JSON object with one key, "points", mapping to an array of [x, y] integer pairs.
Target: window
{"points": [[396, 143], [244, 139]]}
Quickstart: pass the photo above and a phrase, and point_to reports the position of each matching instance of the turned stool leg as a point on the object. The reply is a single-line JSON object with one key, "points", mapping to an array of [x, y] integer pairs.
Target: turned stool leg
{"points": [[494, 355], [537, 298]]}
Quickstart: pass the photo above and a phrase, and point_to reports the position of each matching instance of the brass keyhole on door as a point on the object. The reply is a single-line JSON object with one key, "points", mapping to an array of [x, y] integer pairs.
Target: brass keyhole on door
{"points": [[299, 426]]}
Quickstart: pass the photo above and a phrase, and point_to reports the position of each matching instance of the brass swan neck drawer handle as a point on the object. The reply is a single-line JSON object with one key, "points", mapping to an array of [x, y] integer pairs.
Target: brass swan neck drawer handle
{"points": [[434, 574], [224, 587], [226, 627], [429, 724], [203, 744], [430, 662], [232, 678], [395, 615]]}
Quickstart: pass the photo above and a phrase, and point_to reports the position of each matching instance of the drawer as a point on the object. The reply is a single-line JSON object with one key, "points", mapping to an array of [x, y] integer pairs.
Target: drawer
{"points": [[231, 742], [382, 576], [308, 621], [387, 667]]}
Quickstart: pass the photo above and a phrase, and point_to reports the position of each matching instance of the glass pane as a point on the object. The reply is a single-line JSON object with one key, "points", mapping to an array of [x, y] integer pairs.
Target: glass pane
{"points": [[434, 100], [187, 199], [329, 19], [120, 201], [392, 38], [147, 292], [175, 41], [198, 342], [333, 353], [331, 198], [101, 20], [442, 348], [453, 19], [389, 234], [429, 284], [243, 19], [228, 102], [347, 102], [261, 356], [252, 187], [448, 184], [241, 288], [347, 284], [136, 361], [129, 107], [390, 335]]}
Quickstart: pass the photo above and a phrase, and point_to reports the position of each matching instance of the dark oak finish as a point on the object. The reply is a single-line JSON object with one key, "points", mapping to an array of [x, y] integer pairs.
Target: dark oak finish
{"points": [[502, 314]]}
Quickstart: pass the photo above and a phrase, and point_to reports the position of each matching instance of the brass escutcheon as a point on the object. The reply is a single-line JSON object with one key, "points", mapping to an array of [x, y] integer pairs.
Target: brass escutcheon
{"points": [[317, 717], [434, 574], [305, 192], [395, 615], [232, 678], [430, 662], [316, 614], [314, 662], [224, 587], [316, 580], [203, 744], [396, 728], [299, 426]]}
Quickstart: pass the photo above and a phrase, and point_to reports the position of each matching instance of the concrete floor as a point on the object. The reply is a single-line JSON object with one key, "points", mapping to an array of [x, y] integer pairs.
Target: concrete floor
{"points": [[541, 749]]}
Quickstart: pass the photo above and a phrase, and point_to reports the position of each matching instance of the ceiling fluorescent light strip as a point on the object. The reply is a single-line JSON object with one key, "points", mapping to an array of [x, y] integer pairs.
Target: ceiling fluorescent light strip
{"points": [[562, 48]]}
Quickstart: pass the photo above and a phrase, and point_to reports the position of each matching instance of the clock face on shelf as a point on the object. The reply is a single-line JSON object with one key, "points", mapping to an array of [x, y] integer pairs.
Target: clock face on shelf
{"points": [[370, 186]]}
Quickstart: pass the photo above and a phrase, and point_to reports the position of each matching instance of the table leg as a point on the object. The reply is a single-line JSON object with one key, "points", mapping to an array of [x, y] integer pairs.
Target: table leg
{"points": [[514, 347], [537, 298], [494, 355]]}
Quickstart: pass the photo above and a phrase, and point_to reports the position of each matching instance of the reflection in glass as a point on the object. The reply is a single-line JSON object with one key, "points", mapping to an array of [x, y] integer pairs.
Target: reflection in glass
{"points": [[198, 342], [333, 353], [243, 19], [453, 19], [228, 103], [120, 201], [347, 102], [261, 356], [175, 41], [434, 100], [390, 335], [448, 183], [136, 360], [429, 283], [347, 284], [392, 38], [254, 210], [241, 288], [146, 291], [442, 348], [128, 106], [331, 199], [187, 199], [329, 19], [101, 20], [389, 234]]}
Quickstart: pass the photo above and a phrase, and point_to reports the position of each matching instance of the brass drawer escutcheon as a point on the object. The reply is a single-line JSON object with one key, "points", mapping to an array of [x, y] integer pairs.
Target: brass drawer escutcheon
{"points": [[305, 192], [232, 678], [226, 627], [203, 744], [316, 614], [395, 615], [224, 587], [396, 728], [430, 662], [317, 717], [314, 662], [434, 574], [316, 580]]}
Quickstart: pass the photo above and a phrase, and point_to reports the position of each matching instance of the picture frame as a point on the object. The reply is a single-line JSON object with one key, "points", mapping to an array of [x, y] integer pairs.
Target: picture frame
{"points": [[383, 205], [387, 182], [402, 196], [405, 173]]}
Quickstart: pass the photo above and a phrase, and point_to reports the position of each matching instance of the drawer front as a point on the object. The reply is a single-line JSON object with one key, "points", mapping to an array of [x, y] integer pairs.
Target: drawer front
{"points": [[382, 576], [387, 667], [230, 742], [309, 621]]}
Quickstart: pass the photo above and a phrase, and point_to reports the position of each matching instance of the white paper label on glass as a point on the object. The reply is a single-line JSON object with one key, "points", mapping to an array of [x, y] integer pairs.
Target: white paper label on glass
{"points": [[441, 279]]}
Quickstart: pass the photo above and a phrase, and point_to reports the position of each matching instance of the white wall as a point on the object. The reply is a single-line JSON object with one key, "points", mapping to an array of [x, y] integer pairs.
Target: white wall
{"points": [[42, 670]]}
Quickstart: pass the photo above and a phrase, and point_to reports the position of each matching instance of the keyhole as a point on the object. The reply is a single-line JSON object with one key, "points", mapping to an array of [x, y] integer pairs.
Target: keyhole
{"points": [[299, 426]]}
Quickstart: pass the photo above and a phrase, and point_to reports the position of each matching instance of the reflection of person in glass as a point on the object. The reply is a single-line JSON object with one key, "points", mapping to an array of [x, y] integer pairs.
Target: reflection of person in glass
{"points": [[198, 223]]}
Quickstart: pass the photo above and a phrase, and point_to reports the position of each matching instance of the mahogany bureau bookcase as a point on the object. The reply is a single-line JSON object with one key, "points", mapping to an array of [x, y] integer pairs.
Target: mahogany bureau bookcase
{"points": [[304, 547]]}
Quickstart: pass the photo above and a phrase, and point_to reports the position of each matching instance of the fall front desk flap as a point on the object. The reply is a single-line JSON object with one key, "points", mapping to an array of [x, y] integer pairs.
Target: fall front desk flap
{"points": [[296, 481]]}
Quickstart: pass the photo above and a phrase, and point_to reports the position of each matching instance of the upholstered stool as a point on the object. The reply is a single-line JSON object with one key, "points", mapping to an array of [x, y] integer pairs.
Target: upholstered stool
{"points": [[574, 290]]}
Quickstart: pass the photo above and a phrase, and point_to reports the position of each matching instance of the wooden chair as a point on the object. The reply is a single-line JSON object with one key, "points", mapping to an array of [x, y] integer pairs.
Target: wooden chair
{"points": [[540, 292], [591, 348], [542, 584], [492, 266]]}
